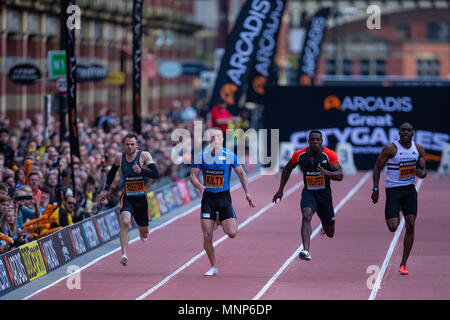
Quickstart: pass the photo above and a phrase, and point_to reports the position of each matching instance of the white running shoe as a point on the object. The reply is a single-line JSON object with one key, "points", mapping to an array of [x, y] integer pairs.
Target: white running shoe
{"points": [[212, 272], [143, 239], [304, 255], [124, 260]]}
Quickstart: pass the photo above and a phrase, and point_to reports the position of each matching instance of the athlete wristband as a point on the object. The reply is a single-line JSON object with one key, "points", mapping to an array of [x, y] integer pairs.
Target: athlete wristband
{"points": [[152, 172], [375, 189]]}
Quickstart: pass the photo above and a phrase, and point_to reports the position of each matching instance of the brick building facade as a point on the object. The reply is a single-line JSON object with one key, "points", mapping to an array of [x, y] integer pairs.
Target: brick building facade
{"points": [[31, 28]]}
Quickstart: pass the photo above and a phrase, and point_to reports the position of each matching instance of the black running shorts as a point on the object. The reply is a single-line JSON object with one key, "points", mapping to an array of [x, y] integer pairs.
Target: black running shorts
{"points": [[404, 198], [138, 207], [217, 203], [320, 201]]}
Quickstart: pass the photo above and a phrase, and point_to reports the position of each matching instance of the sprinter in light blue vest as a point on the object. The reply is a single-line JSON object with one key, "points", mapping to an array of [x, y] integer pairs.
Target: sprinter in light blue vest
{"points": [[215, 163]]}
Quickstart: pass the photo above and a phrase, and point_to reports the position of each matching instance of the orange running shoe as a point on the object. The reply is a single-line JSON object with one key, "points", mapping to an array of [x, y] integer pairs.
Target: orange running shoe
{"points": [[403, 270]]}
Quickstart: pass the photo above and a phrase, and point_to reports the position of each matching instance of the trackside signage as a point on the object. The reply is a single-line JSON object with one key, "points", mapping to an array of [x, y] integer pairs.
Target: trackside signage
{"points": [[366, 117]]}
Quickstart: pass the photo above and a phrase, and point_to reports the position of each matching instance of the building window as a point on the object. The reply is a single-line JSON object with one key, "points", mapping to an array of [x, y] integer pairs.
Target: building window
{"points": [[439, 31], [428, 67], [12, 21], [433, 30], [402, 30], [364, 67], [347, 67], [52, 26], [331, 67], [98, 31], [380, 68]]}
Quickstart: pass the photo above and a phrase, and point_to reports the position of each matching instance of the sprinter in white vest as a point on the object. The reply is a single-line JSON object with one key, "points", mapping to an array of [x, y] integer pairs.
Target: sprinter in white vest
{"points": [[405, 160]]}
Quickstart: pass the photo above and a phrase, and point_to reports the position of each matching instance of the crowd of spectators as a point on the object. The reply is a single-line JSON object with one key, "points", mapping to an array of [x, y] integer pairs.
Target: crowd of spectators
{"points": [[33, 176]]}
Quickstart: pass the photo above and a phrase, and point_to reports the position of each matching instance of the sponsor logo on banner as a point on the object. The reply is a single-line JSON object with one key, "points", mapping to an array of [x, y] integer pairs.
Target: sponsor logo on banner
{"points": [[170, 199], [368, 120], [153, 206], [48, 249], [311, 49], [184, 191], [176, 195], [240, 53], [78, 239], [112, 221], [91, 234], [102, 229], [5, 282], [32, 258], [16, 268], [66, 249], [267, 44], [161, 202], [369, 103]]}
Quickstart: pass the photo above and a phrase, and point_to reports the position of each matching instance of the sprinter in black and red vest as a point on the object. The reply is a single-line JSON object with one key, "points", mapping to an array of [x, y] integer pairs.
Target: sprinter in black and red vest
{"points": [[319, 165]]}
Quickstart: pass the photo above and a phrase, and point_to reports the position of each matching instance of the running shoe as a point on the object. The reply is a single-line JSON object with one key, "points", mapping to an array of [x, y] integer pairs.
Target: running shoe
{"points": [[212, 272], [403, 269], [143, 239], [124, 260], [304, 255]]}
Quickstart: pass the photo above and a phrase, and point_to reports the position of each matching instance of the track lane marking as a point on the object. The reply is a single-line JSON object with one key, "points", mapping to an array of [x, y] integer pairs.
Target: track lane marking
{"points": [[314, 233], [389, 253], [233, 188], [223, 238]]}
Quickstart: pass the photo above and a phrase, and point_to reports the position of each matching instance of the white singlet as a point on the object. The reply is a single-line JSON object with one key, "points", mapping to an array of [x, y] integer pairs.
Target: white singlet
{"points": [[401, 169]]}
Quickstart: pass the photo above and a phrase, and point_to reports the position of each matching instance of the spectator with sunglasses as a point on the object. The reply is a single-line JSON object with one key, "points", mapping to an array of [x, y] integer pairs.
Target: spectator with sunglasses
{"points": [[64, 212]]}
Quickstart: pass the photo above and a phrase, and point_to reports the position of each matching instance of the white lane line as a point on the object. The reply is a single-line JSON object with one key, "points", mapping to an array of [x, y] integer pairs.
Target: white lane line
{"points": [[315, 232], [223, 238], [233, 188], [389, 253]]}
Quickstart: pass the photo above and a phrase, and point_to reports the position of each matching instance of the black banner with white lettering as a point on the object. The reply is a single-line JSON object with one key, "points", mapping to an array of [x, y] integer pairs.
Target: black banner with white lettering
{"points": [[65, 248], [78, 239], [137, 57], [5, 281], [71, 67], [366, 117], [261, 72], [309, 57], [16, 268], [240, 52], [49, 246]]}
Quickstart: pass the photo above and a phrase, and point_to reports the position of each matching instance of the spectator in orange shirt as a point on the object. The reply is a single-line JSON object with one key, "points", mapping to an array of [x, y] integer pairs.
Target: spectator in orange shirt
{"points": [[220, 116]]}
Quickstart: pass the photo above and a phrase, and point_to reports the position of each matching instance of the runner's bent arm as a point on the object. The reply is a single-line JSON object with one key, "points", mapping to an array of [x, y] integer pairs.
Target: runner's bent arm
{"points": [[421, 171], [335, 172], [387, 153], [149, 168]]}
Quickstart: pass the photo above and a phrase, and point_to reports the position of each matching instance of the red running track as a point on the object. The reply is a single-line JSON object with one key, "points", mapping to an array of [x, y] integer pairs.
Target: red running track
{"points": [[246, 264]]}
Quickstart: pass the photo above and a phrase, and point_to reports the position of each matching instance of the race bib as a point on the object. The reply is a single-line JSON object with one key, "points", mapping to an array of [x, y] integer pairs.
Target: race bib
{"points": [[407, 170], [215, 179], [134, 187], [315, 182]]}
